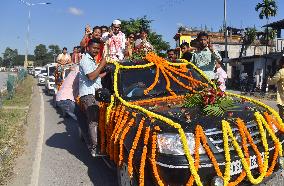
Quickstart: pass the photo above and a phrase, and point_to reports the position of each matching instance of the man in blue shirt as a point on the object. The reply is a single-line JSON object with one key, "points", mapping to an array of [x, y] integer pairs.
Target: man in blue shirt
{"points": [[206, 57], [89, 81]]}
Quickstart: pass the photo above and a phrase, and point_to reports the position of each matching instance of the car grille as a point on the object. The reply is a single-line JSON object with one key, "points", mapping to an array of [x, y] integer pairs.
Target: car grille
{"points": [[216, 137]]}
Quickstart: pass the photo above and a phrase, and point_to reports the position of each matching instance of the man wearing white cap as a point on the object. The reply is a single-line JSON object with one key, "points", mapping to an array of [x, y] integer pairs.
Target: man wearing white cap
{"points": [[115, 42]]}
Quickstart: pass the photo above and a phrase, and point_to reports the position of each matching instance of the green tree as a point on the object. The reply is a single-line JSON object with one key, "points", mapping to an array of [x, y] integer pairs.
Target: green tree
{"points": [[40, 53], [1, 61], [53, 51], [9, 57], [248, 39], [267, 8], [135, 25]]}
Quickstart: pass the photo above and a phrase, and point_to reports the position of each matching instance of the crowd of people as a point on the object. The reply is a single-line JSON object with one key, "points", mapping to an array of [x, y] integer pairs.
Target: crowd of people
{"points": [[101, 44]]}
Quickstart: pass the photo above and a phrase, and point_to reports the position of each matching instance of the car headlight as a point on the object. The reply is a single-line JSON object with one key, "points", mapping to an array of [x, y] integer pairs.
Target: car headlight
{"points": [[169, 143]]}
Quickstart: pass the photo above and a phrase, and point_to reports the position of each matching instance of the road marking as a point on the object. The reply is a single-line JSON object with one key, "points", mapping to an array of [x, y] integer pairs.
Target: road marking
{"points": [[36, 164]]}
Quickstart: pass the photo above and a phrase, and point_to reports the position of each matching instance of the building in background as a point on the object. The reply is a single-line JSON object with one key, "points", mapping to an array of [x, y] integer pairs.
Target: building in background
{"points": [[253, 58]]}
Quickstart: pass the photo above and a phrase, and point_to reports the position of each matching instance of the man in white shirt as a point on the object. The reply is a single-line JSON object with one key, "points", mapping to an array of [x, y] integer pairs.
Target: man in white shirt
{"points": [[64, 57], [115, 42]]}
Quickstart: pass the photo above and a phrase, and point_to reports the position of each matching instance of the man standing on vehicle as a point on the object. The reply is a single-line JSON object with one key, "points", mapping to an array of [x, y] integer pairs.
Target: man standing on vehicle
{"points": [[186, 51], [115, 42], [89, 81], [64, 57], [206, 57]]}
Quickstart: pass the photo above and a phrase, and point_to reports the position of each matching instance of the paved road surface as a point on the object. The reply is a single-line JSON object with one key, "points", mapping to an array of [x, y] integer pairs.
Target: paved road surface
{"points": [[65, 159], [60, 158], [3, 79]]}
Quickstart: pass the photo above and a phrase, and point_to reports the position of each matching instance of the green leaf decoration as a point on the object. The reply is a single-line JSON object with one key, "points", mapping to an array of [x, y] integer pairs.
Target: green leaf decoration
{"points": [[193, 100], [214, 110]]}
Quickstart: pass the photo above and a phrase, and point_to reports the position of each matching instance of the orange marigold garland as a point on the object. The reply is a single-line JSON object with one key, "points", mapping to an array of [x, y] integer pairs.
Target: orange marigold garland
{"points": [[143, 157], [123, 135], [134, 146], [117, 124], [154, 83], [117, 134], [153, 159]]}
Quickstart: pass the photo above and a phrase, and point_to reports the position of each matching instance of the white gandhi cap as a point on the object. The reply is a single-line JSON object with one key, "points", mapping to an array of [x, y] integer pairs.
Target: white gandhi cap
{"points": [[116, 22]]}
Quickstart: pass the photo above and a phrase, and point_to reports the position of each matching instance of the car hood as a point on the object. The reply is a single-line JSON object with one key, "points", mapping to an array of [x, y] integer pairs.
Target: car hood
{"points": [[188, 118]]}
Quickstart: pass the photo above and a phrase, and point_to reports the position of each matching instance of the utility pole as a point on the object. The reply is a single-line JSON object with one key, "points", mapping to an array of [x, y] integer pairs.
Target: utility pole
{"points": [[29, 6], [225, 35]]}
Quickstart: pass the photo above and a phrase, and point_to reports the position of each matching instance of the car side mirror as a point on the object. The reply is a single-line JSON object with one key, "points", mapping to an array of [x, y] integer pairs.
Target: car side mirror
{"points": [[103, 95]]}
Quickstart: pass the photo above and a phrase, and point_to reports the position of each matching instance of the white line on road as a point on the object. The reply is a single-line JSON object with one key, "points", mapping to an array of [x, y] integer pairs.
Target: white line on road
{"points": [[36, 164]]}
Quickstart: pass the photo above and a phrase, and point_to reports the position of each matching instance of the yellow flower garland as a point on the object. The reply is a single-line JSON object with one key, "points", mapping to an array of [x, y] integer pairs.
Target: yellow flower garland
{"points": [[227, 132]]}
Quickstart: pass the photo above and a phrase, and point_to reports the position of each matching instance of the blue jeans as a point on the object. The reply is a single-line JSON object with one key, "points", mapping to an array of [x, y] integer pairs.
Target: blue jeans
{"points": [[67, 107]]}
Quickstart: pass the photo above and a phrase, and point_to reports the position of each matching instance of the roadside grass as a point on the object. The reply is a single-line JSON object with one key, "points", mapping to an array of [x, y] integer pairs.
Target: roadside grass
{"points": [[12, 128], [22, 95]]}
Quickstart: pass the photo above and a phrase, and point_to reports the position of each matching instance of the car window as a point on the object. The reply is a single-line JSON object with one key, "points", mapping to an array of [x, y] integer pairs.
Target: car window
{"points": [[133, 82], [52, 71]]}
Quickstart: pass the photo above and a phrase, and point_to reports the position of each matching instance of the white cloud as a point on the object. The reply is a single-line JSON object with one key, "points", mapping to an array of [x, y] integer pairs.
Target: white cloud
{"points": [[75, 11]]}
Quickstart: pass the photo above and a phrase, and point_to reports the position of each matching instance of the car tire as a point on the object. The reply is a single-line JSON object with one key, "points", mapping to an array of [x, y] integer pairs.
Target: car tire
{"points": [[123, 178]]}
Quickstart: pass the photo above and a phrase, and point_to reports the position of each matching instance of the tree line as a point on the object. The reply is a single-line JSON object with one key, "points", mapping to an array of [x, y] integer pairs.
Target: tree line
{"points": [[42, 56]]}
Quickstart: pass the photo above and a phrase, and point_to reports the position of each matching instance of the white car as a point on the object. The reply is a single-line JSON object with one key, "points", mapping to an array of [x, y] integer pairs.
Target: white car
{"points": [[50, 85], [41, 77], [50, 78], [37, 71]]}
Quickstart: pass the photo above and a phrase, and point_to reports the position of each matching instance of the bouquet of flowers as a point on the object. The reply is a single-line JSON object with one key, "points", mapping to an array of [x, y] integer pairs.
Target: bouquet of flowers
{"points": [[212, 101]]}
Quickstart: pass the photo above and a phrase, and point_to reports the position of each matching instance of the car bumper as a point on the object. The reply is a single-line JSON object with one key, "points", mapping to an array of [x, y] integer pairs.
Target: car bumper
{"points": [[41, 81], [174, 170]]}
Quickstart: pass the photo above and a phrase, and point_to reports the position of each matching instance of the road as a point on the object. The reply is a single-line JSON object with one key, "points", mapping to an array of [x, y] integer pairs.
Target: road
{"points": [[65, 159], [3, 79], [59, 157]]}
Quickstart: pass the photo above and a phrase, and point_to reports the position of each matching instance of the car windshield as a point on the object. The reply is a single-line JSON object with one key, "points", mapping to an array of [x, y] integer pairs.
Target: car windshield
{"points": [[43, 71], [133, 82]]}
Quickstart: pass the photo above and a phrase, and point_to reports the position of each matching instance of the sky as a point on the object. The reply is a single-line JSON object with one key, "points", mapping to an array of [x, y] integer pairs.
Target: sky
{"points": [[63, 21]]}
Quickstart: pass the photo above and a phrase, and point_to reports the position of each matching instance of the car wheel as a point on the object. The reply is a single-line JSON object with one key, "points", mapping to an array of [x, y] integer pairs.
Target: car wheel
{"points": [[123, 177]]}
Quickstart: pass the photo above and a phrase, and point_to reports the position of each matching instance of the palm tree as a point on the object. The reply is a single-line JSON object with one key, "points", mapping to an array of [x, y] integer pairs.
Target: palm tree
{"points": [[267, 8]]}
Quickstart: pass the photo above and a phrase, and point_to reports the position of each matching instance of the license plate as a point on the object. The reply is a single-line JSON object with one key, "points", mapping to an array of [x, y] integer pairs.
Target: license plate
{"points": [[237, 167]]}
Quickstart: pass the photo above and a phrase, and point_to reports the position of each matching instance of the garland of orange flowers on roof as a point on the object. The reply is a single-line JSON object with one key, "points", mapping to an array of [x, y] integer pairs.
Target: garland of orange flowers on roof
{"points": [[159, 99], [134, 146], [164, 67], [143, 156]]}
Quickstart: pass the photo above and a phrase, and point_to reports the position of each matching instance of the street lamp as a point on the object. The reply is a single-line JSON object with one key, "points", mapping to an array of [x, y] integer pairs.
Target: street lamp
{"points": [[29, 6]]}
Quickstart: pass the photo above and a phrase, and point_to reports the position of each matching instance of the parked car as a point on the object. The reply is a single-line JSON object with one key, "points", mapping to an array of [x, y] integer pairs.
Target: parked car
{"points": [[50, 79], [41, 77], [37, 71], [148, 132]]}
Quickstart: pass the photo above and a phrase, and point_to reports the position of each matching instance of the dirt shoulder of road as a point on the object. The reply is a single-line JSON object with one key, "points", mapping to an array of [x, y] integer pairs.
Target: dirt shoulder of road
{"points": [[14, 123], [24, 163]]}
